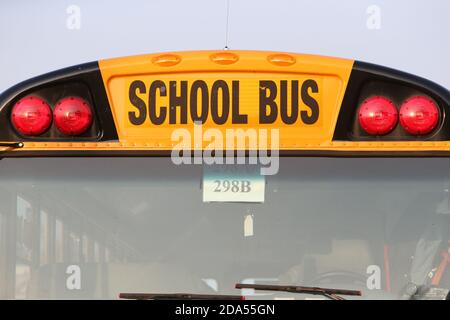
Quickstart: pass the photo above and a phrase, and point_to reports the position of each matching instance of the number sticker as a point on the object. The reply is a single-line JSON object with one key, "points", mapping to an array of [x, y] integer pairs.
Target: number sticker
{"points": [[236, 185], [233, 183]]}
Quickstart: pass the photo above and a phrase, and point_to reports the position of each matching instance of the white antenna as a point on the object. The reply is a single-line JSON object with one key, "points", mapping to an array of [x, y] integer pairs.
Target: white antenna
{"points": [[226, 26]]}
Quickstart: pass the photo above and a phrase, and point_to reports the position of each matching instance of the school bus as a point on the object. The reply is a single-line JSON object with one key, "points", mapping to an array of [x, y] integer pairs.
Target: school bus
{"points": [[193, 171]]}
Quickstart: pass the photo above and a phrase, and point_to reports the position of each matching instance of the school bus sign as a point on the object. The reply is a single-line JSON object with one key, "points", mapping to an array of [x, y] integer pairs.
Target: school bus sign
{"points": [[226, 91]]}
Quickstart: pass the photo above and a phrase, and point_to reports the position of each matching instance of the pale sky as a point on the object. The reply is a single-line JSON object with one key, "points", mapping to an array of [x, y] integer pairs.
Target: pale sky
{"points": [[412, 36]]}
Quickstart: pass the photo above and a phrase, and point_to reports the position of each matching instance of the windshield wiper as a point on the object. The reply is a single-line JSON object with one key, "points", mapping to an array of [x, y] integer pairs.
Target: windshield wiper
{"points": [[326, 292], [178, 296], [329, 293]]}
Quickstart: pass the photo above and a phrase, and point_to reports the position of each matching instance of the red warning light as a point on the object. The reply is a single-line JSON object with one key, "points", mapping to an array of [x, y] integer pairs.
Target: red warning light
{"points": [[419, 115], [73, 116], [378, 115], [31, 116]]}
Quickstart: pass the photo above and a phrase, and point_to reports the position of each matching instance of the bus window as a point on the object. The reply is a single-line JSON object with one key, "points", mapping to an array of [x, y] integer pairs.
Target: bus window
{"points": [[59, 241], [74, 247], [84, 248], [107, 255], [44, 238], [96, 252], [3, 243], [24, 243], [24, 229]]}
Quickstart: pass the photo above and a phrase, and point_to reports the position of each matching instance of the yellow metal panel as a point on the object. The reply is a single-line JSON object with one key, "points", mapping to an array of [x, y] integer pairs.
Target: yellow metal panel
{"points": [[247, 68]]}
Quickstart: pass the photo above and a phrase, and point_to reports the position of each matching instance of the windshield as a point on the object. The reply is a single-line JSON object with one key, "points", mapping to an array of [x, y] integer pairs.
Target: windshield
{"points": [[96, 227]]}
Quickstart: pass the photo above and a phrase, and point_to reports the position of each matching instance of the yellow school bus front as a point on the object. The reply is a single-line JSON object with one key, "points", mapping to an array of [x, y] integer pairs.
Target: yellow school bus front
{"points": [[213, 174]]}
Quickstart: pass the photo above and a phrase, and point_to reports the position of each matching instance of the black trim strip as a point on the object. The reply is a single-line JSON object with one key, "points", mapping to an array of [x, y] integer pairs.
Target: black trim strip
{"points": [[282, 153]]}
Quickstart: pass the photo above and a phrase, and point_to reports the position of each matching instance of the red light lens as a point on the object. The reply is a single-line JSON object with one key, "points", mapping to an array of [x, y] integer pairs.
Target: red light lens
{"points": [[378, 115], [419, 115], [72, 116], [31, 116]]}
